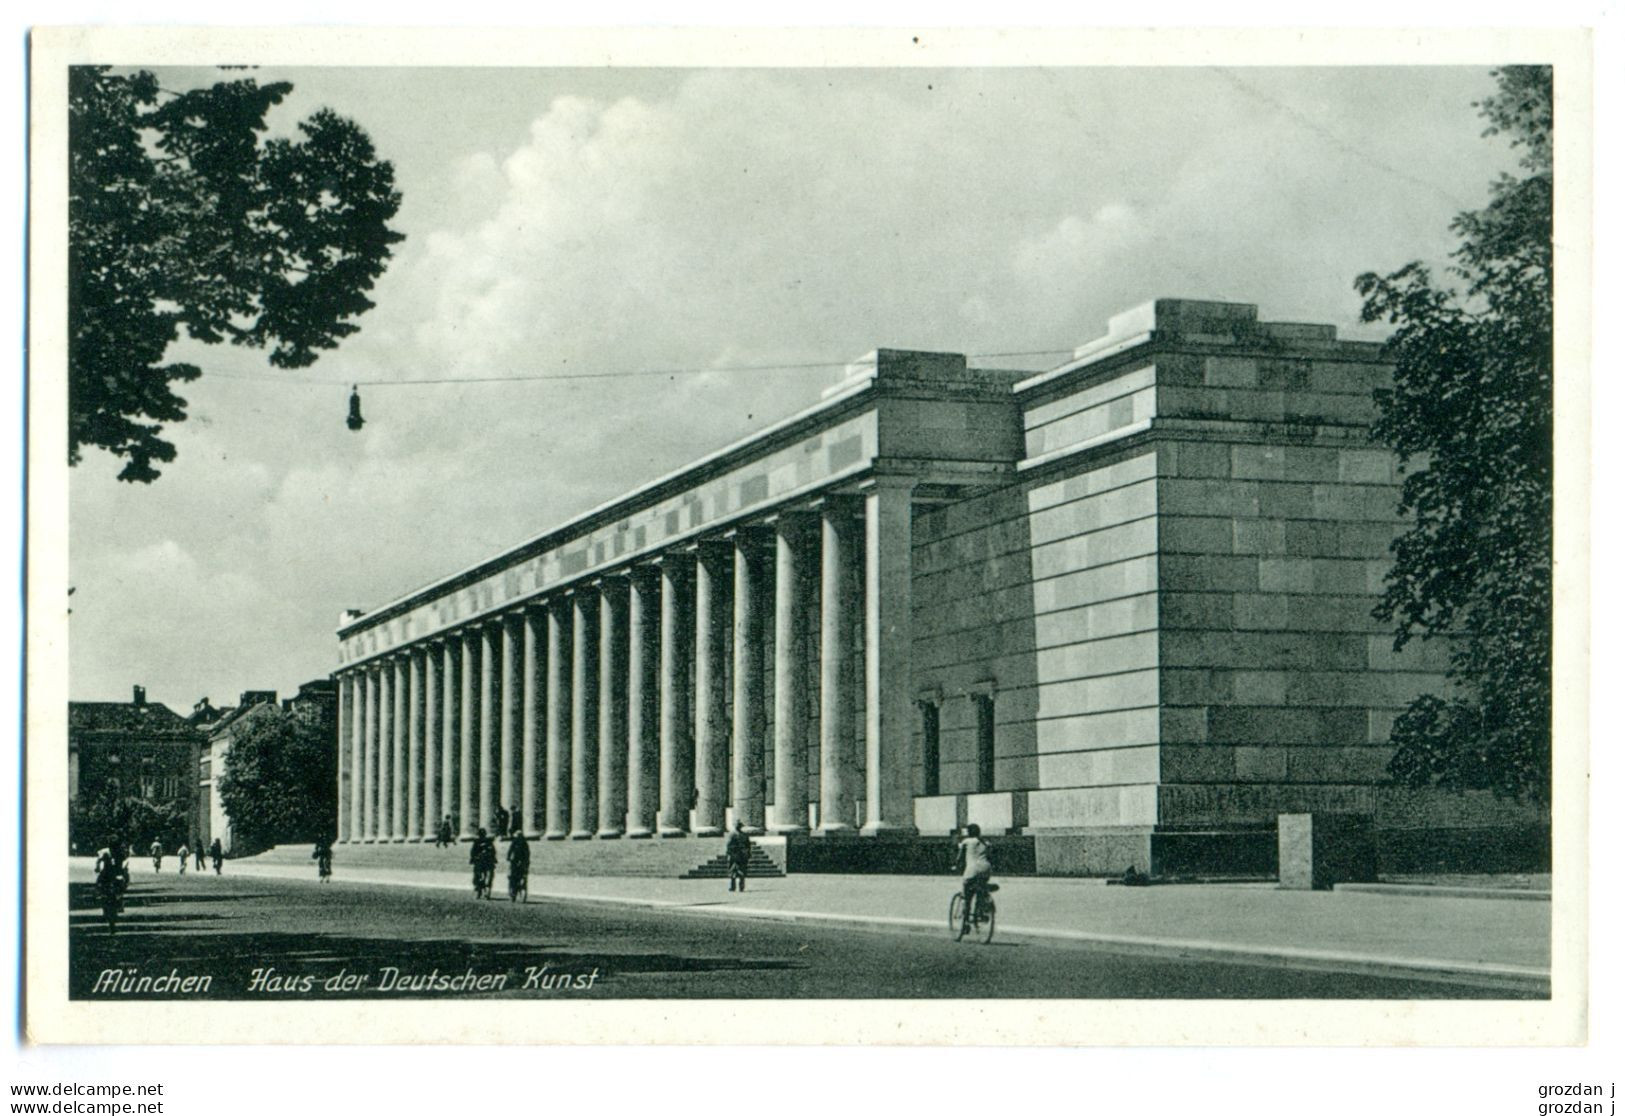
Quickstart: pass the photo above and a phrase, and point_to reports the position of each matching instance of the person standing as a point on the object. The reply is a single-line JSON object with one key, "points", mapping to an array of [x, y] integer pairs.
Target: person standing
{"points": [[738, 856], [323, 856], [518, 867], [157, 852], [217, 854], [184, 854], [197, 848]]}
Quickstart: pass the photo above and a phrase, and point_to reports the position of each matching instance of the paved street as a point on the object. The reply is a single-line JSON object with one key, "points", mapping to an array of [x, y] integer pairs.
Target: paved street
{"points": [[342, 940]]}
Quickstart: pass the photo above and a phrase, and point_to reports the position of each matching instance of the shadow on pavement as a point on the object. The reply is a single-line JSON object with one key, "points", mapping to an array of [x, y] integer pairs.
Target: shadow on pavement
{"points": [[155, 942]]}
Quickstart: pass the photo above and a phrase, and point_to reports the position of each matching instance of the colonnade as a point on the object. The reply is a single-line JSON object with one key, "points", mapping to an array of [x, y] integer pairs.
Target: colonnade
{"points": [[601, 710]]}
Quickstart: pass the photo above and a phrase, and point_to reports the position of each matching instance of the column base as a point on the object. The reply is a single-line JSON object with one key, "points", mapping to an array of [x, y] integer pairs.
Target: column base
{"points": [[787, 830], [555, 835], [639, 833], [581, 835], [609, 834], [669, 831], [709, 831], [887, 829], [755, 831], [836, 829], [533, 835]]}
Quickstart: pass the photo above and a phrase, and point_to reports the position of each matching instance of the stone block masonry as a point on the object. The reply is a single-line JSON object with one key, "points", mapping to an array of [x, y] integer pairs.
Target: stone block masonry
{"points": [[1122, 608]]}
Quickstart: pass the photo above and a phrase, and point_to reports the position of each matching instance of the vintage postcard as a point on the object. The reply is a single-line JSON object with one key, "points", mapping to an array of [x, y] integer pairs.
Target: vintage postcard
{"points": [[860, 537]]}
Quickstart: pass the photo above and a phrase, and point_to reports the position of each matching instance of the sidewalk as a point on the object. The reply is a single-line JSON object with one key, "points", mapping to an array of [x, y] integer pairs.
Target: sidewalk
{"points": [[1415, 933]]}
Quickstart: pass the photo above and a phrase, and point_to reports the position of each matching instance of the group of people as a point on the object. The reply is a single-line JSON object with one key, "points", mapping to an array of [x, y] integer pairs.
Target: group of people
{"points": [[504, 825], [482, 855], [184, 853]]}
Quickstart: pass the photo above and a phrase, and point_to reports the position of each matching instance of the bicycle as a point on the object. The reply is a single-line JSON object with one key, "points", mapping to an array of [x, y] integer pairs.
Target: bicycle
{"points": [[483, 875], [982, 914], [519, 886]]}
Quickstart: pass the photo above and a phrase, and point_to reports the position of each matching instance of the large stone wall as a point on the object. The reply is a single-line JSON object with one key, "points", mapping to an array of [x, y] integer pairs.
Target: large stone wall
{"points": [[1173, 610], [1274, 544], [1044, 594]]}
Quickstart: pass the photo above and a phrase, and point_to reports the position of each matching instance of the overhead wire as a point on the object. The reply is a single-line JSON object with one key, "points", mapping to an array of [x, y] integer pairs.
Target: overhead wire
{"points": [[611, 375]]}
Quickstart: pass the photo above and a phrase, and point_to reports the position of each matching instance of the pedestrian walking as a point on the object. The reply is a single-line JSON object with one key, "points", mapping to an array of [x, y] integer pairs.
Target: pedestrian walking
{"points": [[323, 856], [197, 849], [184, 854], [217, 854], [157, 852], [738, 856]]}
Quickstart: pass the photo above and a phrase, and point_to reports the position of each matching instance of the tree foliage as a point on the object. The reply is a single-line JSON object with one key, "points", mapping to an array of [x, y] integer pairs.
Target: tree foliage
{"points": [[182, 213], [1470, 417], [279, 780], [108, 818]]}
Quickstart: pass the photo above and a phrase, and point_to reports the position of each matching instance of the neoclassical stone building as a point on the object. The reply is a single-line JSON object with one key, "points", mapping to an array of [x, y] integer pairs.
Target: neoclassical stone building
{"points": [[1120, 610]]}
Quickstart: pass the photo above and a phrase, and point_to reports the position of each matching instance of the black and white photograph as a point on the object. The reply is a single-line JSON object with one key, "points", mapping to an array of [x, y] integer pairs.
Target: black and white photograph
{"points": [[803, 529]]}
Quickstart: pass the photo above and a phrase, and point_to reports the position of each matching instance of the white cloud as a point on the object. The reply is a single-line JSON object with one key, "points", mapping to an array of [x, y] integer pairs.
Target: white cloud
{"points": [[710, 221]]}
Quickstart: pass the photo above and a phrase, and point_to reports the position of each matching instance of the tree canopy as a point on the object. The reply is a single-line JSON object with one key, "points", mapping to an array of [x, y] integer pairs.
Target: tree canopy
{"points": [[182, 213], [1470, 417], [279, 783], [109, 817]]}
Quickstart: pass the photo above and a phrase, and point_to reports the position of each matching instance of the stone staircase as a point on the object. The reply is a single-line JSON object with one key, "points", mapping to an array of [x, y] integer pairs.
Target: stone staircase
{"points": [[672, 858], [760, 866]]}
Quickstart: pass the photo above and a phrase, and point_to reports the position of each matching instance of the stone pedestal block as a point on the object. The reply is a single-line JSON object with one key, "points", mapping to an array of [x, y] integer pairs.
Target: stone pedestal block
{"points": [[1319, 850]]}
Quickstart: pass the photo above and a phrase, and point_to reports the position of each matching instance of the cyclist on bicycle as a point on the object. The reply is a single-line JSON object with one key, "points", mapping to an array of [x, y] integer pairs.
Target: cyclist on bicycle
{"points": [[975, 859], [518, 865], [482, 854]]}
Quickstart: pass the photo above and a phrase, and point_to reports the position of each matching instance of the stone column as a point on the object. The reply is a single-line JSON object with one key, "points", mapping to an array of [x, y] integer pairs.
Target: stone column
{"points": [[533, 689], [429, 824], [512, 718], [467, 802], [341, 789], [584, 715], [384, 786], [676, 722], [490, 722], [558, 718], [450, 718], [837, 691], [750, 580], [712, 615], [369, 754], [358, 754], [887, 646], [397, 743], [790, 600], [414, 744], [612, 711], [643, 703]]}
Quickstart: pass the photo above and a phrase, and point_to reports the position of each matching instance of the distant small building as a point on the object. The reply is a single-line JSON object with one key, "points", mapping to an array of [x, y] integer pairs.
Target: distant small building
{"points": [[136, 749], [224, 726]]}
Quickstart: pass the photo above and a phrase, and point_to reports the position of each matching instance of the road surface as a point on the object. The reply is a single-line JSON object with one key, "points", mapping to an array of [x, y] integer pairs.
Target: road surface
{"points": [[254, 938]]}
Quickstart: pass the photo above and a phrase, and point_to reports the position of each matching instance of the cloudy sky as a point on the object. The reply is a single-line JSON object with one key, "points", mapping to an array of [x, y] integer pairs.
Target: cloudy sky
{"points": [[616, 223]]}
